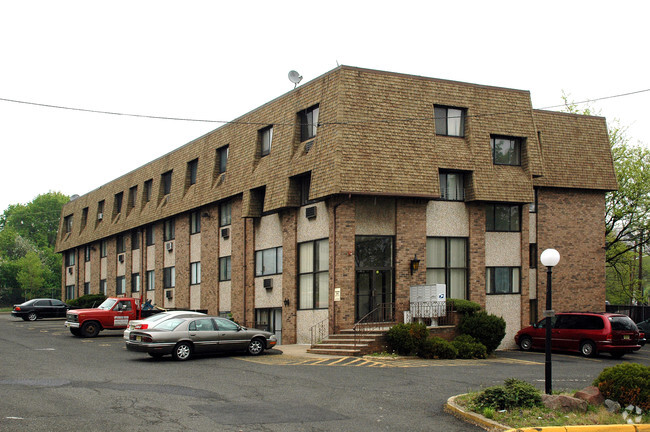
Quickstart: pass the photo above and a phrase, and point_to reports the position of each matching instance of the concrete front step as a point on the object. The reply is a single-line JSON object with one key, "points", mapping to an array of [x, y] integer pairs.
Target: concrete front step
{"points": [[345, 343], [335, 351]]}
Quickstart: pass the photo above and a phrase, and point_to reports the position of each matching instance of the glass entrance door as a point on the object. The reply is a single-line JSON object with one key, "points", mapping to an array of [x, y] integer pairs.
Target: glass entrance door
{"points": [[374, 274]]}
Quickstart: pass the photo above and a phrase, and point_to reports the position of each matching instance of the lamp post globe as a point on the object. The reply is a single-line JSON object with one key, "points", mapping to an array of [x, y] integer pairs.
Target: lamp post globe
{"points": [[550, 258]]}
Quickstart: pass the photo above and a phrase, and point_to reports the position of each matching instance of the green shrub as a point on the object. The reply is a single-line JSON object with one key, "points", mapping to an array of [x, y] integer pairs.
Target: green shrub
{"points": [[469, 348], [406, 339], [87, 301], [464, 307], [436, 347], [486, 328], [626, 383], [513, 394]]}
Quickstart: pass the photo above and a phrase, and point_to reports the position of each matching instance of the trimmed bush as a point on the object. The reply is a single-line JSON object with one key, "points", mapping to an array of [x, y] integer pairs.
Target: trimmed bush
{"points": [[626, 383], [513, 394], [486, 328], [87, 301], [469, 348], [464, 307], [436, 347], [406, 339]]}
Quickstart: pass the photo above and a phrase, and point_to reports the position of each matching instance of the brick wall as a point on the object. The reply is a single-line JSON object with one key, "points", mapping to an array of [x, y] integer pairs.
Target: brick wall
{"points": [[476, 253], [571, 221], [289, 221], [210, 239], [342, 251]]}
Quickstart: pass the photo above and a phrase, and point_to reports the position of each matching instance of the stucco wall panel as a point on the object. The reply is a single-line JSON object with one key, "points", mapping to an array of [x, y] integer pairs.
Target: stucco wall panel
{"points": [[507, 307], [447, 219]]}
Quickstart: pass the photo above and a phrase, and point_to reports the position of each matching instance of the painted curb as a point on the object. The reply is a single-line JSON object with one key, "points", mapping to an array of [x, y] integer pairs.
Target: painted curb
{"points": [[453, 408]]}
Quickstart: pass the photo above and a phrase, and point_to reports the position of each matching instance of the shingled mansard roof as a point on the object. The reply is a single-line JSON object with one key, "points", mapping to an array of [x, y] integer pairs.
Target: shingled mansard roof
{"points": [[376, 136]]}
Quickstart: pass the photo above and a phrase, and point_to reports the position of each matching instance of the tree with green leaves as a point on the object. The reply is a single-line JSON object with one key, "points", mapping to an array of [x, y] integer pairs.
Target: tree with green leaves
{"points": [[627, 213]]}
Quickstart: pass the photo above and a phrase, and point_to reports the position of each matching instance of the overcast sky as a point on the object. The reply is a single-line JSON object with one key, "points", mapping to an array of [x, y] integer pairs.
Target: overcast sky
{"points": [[217, 60]]}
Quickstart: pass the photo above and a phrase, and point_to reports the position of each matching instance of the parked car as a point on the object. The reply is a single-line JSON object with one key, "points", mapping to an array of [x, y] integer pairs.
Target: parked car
{"points": [[585, 332], [154, 320], [644, 326], [183, 337], [34, 309]]}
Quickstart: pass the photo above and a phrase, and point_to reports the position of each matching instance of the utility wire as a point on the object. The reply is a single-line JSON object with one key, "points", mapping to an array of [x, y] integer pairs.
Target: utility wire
{"points": [[291, 124]]}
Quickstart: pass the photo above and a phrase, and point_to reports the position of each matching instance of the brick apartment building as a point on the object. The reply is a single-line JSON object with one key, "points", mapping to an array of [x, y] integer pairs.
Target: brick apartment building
{"points": [[341, 184]]}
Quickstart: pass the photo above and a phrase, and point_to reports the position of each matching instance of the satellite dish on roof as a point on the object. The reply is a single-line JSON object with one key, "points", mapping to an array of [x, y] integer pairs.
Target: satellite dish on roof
{"points": [[294, 77], [74, 197]]}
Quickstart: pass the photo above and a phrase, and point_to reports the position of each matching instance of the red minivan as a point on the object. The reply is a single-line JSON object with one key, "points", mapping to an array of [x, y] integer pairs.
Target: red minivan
{"points": [[585, 332]]}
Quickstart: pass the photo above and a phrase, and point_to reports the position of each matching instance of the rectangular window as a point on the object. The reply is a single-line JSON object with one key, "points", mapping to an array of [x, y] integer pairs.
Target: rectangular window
{"points": [[120, 285], [532, 255], [69, 258], [195, 273], [87, 253], [86, 288], [169, 232], [222, 159], [225, 209], [118, 203], [166, 180], [151, 280], [67, 223], [450, 121], [268, 261], [120, 242], [506, 150], [147, 190], [313, 274], [69, 292], [502, 280], [266, 139], [452, 187], [103, 248], [169, 277], [305, 186], [135, 282], [84, 217], [133, 196], [308, 123], [224, 269], [447, 264], [195, 222], [503, 217], [135, 240], [192, 169], [100, 210], [150, 236], [102, 286]]}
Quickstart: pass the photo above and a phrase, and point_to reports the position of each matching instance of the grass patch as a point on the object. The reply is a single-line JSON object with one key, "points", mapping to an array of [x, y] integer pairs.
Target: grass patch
{"points": [[6, 309], [542, 416]]}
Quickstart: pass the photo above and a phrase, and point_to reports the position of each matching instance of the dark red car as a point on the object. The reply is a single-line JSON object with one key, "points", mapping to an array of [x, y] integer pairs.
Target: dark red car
{"points": [[585, 332]]}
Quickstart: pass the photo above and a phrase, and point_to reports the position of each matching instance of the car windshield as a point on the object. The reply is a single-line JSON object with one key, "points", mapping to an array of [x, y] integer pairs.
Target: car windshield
{"points": [[108, 304], [622, 323], [170, 324]]}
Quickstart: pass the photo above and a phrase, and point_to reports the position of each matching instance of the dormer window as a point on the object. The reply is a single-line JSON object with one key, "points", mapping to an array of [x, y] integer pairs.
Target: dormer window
{"points": [[506, 150], [266, 139], [449, 121], [308, 123]]}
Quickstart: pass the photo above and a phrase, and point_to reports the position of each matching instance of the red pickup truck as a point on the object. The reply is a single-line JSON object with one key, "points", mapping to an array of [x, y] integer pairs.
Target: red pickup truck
{"points": [[113, 314]]}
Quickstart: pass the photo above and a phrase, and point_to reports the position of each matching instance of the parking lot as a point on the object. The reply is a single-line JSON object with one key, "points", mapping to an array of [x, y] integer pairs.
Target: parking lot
{"points": [[51, 380]]}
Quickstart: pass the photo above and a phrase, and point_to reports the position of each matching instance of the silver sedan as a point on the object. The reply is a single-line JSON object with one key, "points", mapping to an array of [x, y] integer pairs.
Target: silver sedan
{"points": [[183, 337]]}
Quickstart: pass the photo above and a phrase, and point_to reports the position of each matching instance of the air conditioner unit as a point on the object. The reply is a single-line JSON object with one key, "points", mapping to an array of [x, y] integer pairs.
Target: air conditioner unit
{"points": [[100, 216], [225, 232], [168, 294], [310, 212], [120, 258], [70, 270], [268, 283], [309, 145], [169, 246]]}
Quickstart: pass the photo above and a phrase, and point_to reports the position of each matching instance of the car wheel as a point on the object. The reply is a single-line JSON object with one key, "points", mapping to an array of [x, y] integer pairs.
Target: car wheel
{"points": [[75, 331], [588, 348], [32, 316], [617, 354], [90, 329], [525, 343], [182, 351], [255, 347]]}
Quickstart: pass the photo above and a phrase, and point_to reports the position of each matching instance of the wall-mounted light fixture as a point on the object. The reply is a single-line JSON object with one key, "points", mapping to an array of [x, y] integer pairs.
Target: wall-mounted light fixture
{"points": [[286, 302], [415, 264]]}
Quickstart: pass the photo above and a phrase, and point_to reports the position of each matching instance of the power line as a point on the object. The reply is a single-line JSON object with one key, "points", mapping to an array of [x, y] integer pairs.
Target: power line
{"points": [[288, 124]]}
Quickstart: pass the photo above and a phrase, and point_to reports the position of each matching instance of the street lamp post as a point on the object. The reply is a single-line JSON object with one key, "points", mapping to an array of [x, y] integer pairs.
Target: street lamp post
{"points": [[549, 259]]}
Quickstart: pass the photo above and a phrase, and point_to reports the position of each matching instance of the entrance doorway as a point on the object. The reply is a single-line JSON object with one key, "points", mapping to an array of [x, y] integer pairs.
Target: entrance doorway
{"points": [[374, 275], [270, 320]]}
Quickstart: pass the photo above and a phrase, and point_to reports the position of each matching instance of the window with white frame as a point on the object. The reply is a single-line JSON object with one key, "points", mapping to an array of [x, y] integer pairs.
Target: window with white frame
{"points": [[195, 273], [447, 264], [313, 274], [450, 121], [268, 261], [502, 280]]}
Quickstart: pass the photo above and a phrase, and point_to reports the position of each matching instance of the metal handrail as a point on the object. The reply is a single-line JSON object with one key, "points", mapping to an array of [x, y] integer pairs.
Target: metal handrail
{"points": [[383, 313], [318, 331]]}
